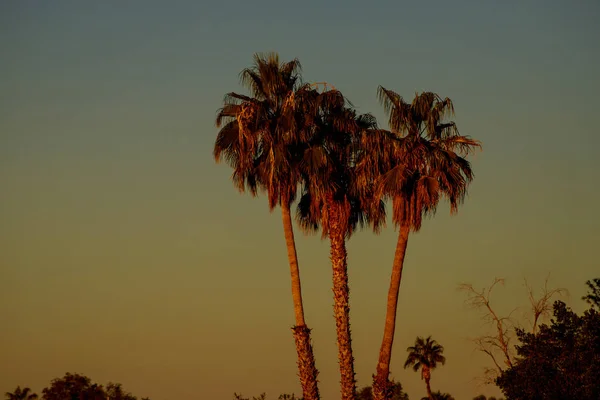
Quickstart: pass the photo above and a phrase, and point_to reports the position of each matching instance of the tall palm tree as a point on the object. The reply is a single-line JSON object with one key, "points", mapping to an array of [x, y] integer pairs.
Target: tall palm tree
{"points": [[425, 355], [422, 159], [333, 201], [21, 394], [257, 139]]}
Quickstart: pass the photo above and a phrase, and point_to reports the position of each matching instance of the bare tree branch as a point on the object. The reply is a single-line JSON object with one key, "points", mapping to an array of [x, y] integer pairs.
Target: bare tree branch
{"points": [[498, 345], [542, 306], [481, 300]]}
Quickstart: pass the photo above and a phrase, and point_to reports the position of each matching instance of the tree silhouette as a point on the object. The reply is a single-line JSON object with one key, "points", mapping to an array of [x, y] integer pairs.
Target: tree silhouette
{"points": [[593, 296], [73, 387], [498, 344], [80, 387], [21, 394], [425, 356], [263, 396], [440, 396], [397, 393], [560, 361], [115, 391]]}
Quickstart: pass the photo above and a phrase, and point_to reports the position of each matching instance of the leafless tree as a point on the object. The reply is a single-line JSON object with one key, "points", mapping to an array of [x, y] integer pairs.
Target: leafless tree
{"points": [[497, 343], [542, 306]]}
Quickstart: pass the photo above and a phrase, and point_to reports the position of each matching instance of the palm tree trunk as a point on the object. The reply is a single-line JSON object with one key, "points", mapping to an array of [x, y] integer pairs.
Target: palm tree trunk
{"points": [[307, 370], [429, 394], [341, 296], [381, 383]]}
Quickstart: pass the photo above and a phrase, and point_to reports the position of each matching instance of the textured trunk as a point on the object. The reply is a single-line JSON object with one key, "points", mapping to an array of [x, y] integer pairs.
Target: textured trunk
{"points": [[381, 383], [341, 295], [306, 360], [429, 394], [306, 363], [426, 374]]}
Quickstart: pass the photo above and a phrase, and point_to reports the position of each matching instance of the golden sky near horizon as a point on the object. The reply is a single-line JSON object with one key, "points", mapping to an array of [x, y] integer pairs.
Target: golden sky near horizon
{"points": [[127, 255]]}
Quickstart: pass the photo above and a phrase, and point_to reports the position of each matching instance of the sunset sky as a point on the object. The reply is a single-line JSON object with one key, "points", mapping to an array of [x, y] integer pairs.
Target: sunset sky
{"points": [[127, 255]]}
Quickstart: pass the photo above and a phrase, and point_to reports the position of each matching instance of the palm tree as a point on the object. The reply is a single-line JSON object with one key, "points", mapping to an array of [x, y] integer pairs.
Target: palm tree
{"points": [[422, 159], [333, 201], [257, 139], [425, 355], [21, 394]]}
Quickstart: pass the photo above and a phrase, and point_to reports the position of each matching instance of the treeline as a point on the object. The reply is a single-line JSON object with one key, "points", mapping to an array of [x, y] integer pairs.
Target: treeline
{"points": [[74, 387]]}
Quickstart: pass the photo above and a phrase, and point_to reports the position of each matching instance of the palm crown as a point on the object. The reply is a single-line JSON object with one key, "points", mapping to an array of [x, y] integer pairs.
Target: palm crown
{"points": [[331, 154], [21, 394], [257, 133], [425, 157], [424, 355]]}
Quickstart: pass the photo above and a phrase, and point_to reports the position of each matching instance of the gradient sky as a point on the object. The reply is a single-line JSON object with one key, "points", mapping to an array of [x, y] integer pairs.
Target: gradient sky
{"points": [[127, 255]]}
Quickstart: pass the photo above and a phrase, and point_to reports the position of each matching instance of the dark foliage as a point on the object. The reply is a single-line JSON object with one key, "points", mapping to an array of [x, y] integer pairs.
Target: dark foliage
{"points": [[80, 387], [366, 393], [440, 396], [593, 296], [263, 396], [21, 394], [561, 361]]}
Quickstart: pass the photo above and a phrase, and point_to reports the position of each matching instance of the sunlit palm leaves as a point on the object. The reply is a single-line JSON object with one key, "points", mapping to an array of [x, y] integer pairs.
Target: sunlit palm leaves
{"points": [[330, 167], [426, 159], [257, 132]]}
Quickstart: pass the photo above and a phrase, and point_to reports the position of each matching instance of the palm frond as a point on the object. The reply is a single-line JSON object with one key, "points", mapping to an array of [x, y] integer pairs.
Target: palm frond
{"points": [[227, 142], [425, 354], [258, 136], [226, 114], [236, 98], [430, 152], [252, 80]]}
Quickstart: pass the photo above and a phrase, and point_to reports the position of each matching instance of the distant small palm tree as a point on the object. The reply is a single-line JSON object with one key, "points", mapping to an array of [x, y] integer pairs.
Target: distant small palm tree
{"points": [[425, 355], [21, 394]]}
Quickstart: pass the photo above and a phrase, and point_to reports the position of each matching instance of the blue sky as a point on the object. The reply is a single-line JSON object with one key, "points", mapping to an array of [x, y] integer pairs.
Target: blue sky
{"points": [[128, 256]]}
